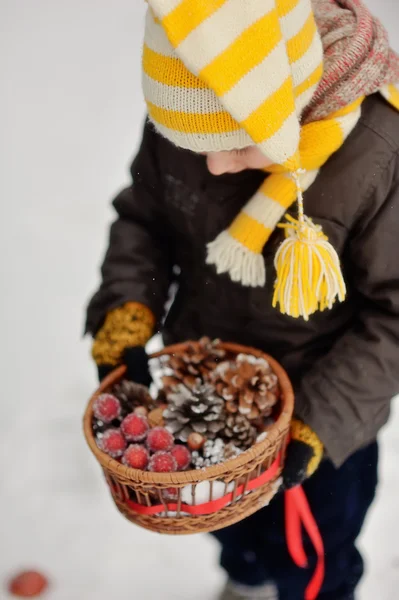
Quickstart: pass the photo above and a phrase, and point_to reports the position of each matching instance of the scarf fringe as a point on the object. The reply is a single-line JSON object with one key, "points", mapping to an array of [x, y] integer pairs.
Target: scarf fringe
{"points": [[243, 265]]}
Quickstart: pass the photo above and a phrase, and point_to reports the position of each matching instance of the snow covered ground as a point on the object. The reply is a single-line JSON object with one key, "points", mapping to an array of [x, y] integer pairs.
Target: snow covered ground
{"points": [[70, 116]]}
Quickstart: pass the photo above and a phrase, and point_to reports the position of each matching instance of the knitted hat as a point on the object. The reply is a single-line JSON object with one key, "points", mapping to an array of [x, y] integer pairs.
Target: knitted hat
{"points": [[226, 74], [223, 75]]}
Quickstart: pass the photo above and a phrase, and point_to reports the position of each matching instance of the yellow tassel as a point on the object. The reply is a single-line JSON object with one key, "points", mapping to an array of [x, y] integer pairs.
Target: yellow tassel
{"points": [[309, 276]]}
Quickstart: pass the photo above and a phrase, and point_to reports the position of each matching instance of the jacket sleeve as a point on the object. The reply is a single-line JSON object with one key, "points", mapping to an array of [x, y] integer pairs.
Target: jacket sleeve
{"points": [[346, 396], [138, 263]]}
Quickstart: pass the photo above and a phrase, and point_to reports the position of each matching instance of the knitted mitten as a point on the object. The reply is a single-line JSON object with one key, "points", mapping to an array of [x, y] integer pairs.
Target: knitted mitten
{"points": [[122, 340], [304, 454]]}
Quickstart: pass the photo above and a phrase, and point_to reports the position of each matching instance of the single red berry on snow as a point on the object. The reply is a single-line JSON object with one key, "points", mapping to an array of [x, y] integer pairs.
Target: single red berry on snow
{"points": [[112, 442], [106, 408], [136, 456], [182, 455], [158, 439], [162, 462], [134, 427], [28, 584]]}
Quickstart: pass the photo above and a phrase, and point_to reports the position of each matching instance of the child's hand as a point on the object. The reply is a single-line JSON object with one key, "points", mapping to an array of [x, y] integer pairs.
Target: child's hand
{"points": [[304, 454], [136, 361], [122, 339]]}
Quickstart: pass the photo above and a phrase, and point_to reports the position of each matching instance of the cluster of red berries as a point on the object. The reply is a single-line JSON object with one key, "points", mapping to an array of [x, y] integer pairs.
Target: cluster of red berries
{"points": [[138, 446]]}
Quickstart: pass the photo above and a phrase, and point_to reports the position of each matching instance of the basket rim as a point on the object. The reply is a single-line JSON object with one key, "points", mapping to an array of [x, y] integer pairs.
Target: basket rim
{"points": [[194, 476]]}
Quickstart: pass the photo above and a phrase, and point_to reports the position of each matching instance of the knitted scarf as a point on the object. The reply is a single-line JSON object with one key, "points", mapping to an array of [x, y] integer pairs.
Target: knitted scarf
{"points": [[257, 67]]}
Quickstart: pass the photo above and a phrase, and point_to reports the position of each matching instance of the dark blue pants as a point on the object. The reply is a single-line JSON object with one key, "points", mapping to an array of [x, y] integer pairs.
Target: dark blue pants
{"points": [[254, 551]]}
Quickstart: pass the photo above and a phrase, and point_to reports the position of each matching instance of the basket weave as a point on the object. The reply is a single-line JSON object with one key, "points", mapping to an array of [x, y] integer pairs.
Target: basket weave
{"points": [[133, 488]]}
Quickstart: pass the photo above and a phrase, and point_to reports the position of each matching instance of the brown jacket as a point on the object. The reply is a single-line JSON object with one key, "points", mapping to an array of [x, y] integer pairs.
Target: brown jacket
{"points": [[344, 362]]}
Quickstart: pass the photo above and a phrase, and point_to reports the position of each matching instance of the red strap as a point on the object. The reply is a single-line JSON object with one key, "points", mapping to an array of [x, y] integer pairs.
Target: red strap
{"points": [[298, 513], [214, 505], [293, 530]]}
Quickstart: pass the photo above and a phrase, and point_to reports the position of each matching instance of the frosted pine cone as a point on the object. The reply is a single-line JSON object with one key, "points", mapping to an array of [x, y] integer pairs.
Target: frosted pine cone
{"points": [[248, 385], [214, 452], [194, 364], [197, 410], [132, 395], [239, 430], [231, 451], [211, 454]]}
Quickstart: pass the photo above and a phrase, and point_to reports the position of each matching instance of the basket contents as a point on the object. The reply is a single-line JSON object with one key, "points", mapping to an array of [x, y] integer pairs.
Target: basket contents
{"points": [[207, 406], [204, 447]]}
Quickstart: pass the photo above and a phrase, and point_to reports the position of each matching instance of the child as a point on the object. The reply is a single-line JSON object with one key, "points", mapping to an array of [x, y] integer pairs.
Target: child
{"points": [[254, 105]]}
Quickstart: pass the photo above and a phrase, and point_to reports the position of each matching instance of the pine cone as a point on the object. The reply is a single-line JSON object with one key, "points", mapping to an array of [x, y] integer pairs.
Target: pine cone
{"points": [[212, 453], [231, 451], [197, 410], [194, 364], [131, 395], [248, 385], [239, 431]]}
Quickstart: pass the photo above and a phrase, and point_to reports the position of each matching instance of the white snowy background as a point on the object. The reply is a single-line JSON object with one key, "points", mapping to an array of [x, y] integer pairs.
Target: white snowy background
{"points": [[70, 119]]}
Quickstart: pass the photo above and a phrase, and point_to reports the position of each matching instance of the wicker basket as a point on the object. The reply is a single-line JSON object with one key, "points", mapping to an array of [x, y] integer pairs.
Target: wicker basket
{"points": [[250, 480]]}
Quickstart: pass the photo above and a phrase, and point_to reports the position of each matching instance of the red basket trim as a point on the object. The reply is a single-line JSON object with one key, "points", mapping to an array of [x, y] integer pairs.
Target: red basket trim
{"points": [[213, 506]]}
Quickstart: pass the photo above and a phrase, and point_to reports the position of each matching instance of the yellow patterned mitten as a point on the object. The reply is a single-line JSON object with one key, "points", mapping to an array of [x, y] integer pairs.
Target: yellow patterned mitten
{"points": [[122, 339], [304, 454]]}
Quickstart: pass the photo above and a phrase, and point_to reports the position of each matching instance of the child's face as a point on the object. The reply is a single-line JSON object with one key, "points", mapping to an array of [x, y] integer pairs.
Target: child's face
{"points": [[235, 161]]}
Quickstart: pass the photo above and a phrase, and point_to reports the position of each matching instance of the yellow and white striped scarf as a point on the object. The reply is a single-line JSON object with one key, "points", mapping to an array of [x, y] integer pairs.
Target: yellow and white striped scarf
{"points": [[225, 74]]}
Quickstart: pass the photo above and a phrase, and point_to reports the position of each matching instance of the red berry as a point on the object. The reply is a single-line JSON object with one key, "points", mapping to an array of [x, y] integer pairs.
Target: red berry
{"points": [[106, 408], [136, 456], [28, 584], [112, 442], [182, 455], [162, 462], [158, 439], [171, 494], [134, 427]]}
